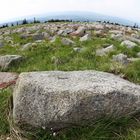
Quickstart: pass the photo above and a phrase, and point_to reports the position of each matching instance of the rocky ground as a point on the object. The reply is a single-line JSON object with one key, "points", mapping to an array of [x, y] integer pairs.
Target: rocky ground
{"points": [[72, 46]]}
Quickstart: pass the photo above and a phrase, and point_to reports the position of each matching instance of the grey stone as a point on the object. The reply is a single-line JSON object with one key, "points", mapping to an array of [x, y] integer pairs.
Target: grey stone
{"points": [[77, 49], [116, 32], [79, 32], [133, 39], [67, 31], [38, 36], [118, 37], [85, 38], [25, 36], [98, 27], [45, 35], [121, 58], [133, 59], [138, 54], [29, 46], [135, 36], [104, 51], [128, 44], [7, 79], [99, 33], [57, 99], [53, 39], [60, 32], [26, 46], [66, 41], [8, 61]]}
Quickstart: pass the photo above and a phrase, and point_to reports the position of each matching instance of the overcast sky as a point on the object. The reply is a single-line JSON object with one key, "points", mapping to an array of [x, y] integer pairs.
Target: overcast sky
{"points": [[11, 9]]}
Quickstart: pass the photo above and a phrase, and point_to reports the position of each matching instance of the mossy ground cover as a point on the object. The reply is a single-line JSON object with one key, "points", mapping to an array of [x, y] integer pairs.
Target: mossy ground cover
{"points": [[55, 56]]}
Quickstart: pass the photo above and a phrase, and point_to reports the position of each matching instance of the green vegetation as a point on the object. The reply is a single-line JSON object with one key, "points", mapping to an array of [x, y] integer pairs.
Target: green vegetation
{"points": [[4, 111], [55, 56]]}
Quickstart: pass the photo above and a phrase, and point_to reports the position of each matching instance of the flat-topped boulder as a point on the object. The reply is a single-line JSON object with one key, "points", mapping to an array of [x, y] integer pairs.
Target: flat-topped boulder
{"points": [[57, 99]]}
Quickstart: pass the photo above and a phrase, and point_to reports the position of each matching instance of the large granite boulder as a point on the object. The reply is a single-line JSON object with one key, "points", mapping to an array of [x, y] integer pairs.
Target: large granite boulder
{"points": [[56, 99], [7, 61]]}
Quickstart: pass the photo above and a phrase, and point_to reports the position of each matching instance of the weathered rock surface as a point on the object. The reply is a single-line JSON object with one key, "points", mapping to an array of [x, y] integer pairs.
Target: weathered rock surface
{"points": [[67, 41], [7, 79], [128, 44], [79, 32], [58, 99], [85, 38], [121, 58], [104, 51], [133, 59], [29, 46], [7, 61], [38, 36], [118, 37]]}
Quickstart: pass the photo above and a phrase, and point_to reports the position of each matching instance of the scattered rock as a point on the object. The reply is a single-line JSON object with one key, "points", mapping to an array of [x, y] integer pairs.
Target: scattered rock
{"points": [[116, 32], [77, 49], [98, 27], [85, 38], [29, 46], [53, 39], [1, 44], [138, 54], [25, 36], [133, 39], [133, 59], [121, 58], [39, 41], [55, 99], [118, 37], [135, 36], [99, 33], [45, 35], [128, 44], [79, 32], [26, 46], [8, 61], [60, 32], [38, 36], [104, 51], [66, 41], [7, 79]]}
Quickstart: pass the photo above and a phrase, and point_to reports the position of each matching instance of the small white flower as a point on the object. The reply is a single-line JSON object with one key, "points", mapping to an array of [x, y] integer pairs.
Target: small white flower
{"points": [[54, 134], [43, 127]]}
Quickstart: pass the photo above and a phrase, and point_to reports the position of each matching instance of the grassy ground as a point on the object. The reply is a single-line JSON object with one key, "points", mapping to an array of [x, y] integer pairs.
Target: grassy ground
{"points": [[47, 56], [55, 56], [104, 129]]}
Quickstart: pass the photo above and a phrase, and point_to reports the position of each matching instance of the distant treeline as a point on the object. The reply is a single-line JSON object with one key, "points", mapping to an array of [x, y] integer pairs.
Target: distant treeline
{"points": [[108, 22], [25, 21]]}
